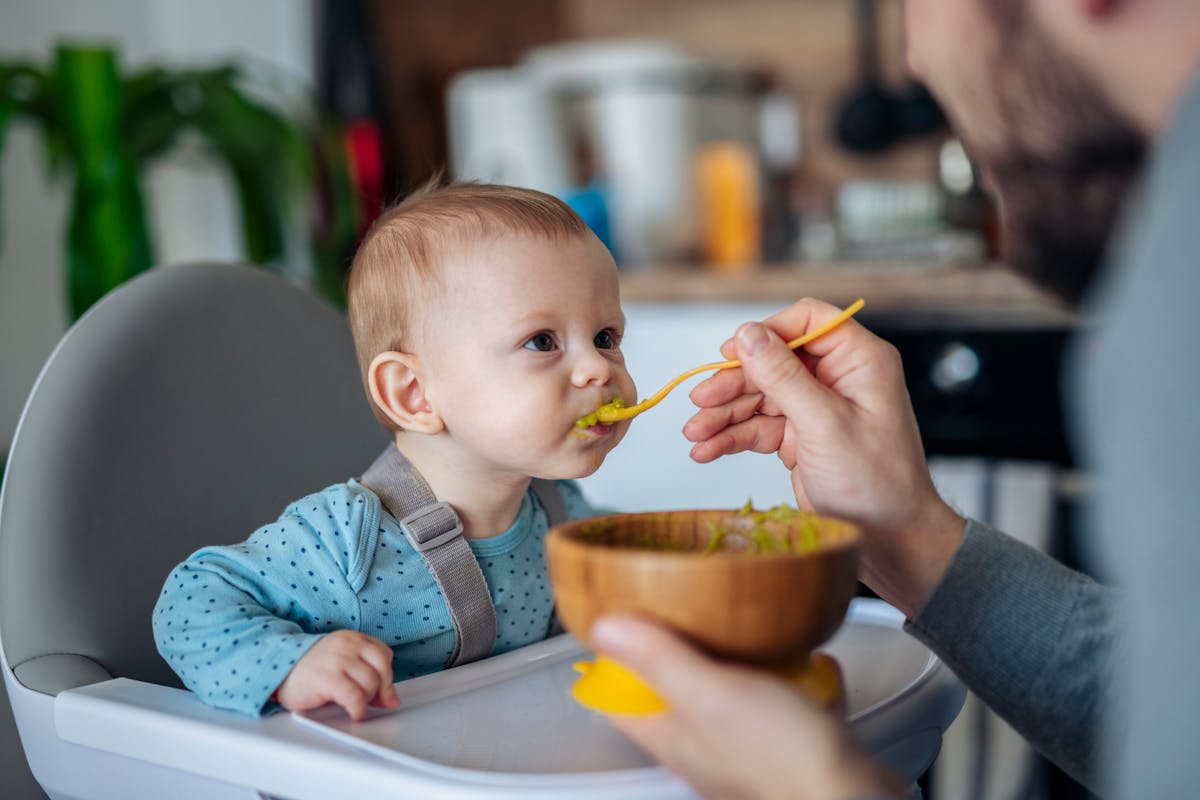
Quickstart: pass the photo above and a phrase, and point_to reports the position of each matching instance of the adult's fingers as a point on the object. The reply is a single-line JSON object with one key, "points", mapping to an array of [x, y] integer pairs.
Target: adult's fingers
{"points": [[805, 315], [780, 375], [724, 386], [795, 320], [708, 421], [674, 668], [760, 434]]}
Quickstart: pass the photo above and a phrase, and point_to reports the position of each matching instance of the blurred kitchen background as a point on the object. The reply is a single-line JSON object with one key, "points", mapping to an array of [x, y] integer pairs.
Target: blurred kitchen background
{"points": [[734, 154]]}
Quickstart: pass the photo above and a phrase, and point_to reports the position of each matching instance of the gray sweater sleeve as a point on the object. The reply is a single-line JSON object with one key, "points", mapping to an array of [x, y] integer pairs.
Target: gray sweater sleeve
{"points": [[1033, 639]]}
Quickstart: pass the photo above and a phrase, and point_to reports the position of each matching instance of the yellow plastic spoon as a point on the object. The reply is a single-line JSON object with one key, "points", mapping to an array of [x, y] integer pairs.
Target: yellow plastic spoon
{"points": [[615, 411]]}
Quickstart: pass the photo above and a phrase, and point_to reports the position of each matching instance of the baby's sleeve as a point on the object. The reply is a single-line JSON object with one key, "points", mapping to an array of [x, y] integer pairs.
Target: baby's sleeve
{"points": [[232, 621]]}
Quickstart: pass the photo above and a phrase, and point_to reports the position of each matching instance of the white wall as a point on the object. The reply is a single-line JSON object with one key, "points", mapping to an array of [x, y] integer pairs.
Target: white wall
{"points": [[191, 206]]}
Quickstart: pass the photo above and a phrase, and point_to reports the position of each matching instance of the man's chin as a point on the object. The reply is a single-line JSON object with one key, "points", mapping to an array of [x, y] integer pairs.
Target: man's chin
{"points": [[1054, 260], [1052, 146], [1059, 223]]}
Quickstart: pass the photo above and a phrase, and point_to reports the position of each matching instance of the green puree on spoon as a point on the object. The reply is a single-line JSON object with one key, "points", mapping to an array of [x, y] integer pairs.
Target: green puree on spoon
{"points": [[601, 414]]}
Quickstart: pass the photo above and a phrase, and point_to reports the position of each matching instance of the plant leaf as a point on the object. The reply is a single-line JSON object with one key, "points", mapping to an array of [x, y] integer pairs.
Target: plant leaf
{"points": [[149, 116], [263, 153], [107, 238]]}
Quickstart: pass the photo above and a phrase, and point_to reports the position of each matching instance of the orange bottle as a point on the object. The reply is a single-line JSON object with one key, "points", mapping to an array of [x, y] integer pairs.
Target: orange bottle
{"points": [[728, 182]]}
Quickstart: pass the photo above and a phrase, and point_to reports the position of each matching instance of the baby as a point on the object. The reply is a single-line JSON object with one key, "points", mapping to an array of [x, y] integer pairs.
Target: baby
{"points": [[487, 320]]}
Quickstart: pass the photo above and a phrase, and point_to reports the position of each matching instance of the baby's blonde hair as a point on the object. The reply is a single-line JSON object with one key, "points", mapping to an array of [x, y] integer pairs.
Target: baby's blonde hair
{"points": [[399, 261]]}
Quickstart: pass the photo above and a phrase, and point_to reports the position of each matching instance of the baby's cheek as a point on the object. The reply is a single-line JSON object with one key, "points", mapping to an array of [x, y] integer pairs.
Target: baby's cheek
{"points": [[628, 389], [527, 425]]}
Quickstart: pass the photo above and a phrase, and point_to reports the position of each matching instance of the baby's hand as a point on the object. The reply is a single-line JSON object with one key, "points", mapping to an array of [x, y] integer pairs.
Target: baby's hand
{"points": [[349, 668]]}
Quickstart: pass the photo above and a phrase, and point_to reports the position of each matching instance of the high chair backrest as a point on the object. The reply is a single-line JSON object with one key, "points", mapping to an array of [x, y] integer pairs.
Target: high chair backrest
{"points": [[186, 408]]}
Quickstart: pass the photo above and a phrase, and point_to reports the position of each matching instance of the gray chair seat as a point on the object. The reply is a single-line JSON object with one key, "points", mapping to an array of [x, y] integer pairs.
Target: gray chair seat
{"points": [[188, 407]]}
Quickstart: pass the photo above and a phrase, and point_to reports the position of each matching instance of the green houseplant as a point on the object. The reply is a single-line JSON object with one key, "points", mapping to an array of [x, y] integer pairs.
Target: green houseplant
{"points": [[106, 127]]}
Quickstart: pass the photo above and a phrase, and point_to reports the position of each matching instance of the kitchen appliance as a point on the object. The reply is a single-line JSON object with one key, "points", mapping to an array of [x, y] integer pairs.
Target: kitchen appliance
{"points": [[626, 116], [874, 117], [506, 127]]}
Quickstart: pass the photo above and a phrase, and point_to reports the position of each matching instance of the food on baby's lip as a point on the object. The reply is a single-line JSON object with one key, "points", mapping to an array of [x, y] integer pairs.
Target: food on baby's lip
{"points": [[597, 417]]}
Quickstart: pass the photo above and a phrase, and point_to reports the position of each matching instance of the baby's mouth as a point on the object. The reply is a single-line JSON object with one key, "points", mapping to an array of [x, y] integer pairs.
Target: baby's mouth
{"points": [[593, 419], [599, 430]]}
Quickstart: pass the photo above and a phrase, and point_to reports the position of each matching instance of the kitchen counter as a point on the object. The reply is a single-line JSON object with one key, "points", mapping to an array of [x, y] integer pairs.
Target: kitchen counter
{"points": [[990, 295]]}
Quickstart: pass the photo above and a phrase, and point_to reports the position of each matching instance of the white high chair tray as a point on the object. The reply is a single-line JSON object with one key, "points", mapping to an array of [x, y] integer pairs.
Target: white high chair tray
{"points": [[501, 728], [513, 715]]}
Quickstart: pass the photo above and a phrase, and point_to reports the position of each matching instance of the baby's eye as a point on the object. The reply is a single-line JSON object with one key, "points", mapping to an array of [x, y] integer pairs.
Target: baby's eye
{"points": [[542, 342], [606, 339]]}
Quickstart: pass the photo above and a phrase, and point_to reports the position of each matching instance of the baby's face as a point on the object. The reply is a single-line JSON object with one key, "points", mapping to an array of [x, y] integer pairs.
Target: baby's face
{"points": [[524, 339]]}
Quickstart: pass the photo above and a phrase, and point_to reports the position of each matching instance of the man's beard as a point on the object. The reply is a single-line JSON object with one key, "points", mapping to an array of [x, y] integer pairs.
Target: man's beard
{"points": [[1060, 201], [1060, 214]]}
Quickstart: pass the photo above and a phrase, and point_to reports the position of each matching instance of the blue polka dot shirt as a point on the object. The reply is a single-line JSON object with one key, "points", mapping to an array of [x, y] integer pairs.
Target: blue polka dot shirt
{"points": [[232, 621]]}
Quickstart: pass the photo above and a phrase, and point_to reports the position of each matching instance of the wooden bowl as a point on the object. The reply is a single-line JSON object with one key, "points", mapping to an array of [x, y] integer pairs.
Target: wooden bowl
{"points": [[735, 601]]}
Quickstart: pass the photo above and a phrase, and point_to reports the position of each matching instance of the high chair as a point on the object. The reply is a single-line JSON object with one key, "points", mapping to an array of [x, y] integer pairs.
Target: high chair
{"points": [[188, 407]]}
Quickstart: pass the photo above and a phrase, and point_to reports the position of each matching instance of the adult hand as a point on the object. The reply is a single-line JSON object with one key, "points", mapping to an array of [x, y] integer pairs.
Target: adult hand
{"points": [[734, 732], [839, 416], [345, 667]]}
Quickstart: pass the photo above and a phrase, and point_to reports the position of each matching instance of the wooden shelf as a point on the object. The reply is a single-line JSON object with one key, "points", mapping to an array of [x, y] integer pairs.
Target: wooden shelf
{"points": [[895, 289]]}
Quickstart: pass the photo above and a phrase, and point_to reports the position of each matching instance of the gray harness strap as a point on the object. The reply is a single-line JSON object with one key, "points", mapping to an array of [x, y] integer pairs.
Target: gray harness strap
{"points": [[556, 512], [552, 502], [435, 532]]}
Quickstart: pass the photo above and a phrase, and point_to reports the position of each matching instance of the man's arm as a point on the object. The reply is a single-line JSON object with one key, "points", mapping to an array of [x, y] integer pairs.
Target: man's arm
{"points": [[1033, 639]]}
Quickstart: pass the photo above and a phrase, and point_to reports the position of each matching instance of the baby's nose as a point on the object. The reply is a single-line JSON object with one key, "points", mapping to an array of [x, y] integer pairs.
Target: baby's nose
{"points": [[592, 368]]}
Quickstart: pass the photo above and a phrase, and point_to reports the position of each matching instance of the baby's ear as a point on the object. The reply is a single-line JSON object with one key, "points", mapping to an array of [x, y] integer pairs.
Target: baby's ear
{"points": [[395, 384]]}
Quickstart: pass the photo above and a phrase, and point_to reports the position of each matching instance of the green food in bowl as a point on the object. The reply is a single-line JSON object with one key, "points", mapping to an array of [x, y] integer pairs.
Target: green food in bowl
{"points": [[763, 537], [777, 530]]}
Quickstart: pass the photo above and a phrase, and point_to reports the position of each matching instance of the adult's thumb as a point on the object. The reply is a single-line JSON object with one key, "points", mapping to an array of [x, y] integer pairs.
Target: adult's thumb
{"points": [[777, 372], [661, 658]]}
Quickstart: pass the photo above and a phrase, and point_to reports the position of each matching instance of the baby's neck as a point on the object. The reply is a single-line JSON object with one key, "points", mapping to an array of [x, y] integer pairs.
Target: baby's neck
{"points": [[486, 501]]}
